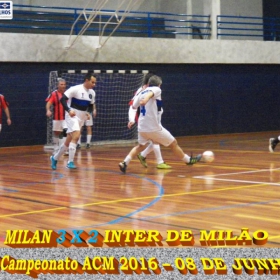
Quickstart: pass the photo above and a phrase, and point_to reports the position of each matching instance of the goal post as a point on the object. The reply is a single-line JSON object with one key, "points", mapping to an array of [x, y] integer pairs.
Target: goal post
{"points": [[114, 89]]}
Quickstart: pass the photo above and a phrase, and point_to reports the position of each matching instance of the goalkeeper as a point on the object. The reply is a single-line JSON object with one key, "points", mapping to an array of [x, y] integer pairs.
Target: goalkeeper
{"points": [[133, 117]]}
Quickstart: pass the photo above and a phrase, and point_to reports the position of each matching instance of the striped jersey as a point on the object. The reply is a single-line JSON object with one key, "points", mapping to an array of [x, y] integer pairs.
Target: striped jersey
{"points": [[58, 110], [3, 105], [80, 99]]}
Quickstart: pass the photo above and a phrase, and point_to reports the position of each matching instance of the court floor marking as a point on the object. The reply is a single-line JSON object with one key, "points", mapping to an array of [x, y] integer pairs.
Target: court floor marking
{"points": [[130, 199], [212, 177]]}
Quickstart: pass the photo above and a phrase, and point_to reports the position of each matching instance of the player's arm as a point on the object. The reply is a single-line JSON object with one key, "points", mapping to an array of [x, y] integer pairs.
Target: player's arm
{"points": [[48, 109], [94, 110], [144, 99], [131, 116], [5, 107], [7, 112], [63, 101]]}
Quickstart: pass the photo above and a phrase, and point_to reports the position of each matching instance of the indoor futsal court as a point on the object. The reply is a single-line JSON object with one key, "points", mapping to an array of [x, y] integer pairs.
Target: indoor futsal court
{"points": [[238, 190]]}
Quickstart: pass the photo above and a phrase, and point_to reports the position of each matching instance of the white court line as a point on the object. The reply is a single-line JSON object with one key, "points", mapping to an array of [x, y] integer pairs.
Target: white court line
{"points": [[211, 177], [243, 172], [237, 181]]}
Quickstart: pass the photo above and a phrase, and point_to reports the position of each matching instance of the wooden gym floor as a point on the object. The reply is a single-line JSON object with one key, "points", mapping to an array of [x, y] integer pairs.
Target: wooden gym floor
{"points": [[239, 189]]}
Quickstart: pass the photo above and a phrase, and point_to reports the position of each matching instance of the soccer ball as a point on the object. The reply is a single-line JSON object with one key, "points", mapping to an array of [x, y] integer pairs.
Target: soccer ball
{"points": [[208, 156]]}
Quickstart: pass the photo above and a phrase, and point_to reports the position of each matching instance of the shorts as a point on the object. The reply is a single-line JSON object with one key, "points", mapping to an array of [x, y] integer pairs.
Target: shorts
{"points": [[163, 137], [59, 125], [89, 122], [73, 124]]}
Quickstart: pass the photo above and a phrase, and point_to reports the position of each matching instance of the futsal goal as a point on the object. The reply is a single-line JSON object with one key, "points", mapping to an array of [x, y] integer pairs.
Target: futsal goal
{"points": [[114, 89]]}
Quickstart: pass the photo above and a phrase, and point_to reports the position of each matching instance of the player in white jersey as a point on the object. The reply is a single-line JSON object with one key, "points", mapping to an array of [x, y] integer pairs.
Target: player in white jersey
{"points": [[78, 102], [133, 117], [150, 128]]}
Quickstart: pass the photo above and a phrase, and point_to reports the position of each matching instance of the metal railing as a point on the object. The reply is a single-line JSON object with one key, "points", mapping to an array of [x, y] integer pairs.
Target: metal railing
{"points": [[240, 27], [58, 20]]}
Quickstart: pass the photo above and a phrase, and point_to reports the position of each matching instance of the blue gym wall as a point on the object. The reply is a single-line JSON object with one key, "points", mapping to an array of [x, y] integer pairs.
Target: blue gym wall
{"points": [[198, 99]]}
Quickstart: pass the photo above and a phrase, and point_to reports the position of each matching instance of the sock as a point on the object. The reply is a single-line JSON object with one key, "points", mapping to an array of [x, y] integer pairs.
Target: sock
{"points": [[157, 152], [186, 159], [56, 142], [127, 160], [61, 141], [147, 150], [89, 139], [60, 151], [79, 141], [72, 151]]}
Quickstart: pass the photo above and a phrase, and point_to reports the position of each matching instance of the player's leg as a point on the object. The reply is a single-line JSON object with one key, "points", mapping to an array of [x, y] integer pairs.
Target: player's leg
{"points": [[273, 143], [74, 125], [89, 124], [75, 135], [160, 162], [56, 134], [165, 138], [142, 156], [143, 142], [60, 152], [79, 143]]}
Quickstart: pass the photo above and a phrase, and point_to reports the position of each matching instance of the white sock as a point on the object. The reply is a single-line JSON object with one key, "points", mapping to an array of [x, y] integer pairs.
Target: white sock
{"points": [[89, 139], [147, 150], [127, 160], [72, 151], [157, 152], [79, 141], [56, 143], [61, 141], [60, 152], [186, 158]]}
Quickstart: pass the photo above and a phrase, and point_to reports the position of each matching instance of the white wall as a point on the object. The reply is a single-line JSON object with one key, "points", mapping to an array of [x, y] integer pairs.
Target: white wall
{"points": [[51, 48]]}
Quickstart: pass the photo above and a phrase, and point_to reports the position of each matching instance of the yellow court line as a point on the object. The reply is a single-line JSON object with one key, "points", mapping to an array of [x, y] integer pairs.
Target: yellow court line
{"points": [[125, 200]]}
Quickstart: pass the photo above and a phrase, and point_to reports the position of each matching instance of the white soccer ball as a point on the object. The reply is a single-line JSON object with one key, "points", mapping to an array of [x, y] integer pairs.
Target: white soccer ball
{"points": [[208, 156]]}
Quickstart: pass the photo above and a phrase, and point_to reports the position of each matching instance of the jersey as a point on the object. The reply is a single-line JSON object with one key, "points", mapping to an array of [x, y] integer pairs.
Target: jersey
{"points": [[58, 110], [149, 119], [3, 105], [133, 114], [79, 99]]}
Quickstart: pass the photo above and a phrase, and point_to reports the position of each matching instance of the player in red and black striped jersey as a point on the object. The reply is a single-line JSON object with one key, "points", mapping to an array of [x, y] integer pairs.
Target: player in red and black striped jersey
{"points": [[4, 107], [58, 113]]}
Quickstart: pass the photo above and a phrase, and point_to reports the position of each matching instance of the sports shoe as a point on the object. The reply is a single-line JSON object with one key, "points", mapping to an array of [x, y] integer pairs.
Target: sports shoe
{"points": [[142, 160], [163, 166], [53, 163], [71, 165], [194, 160], [87, 146], [123, 166], [78, 146], [272, 144]]}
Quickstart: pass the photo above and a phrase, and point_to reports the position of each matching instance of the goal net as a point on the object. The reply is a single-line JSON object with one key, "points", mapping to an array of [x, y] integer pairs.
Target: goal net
{"points": [[114, 90]]}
